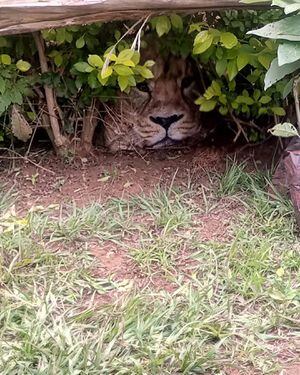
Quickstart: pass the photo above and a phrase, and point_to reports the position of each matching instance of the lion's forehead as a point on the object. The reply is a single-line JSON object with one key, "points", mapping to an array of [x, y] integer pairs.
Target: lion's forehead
{"points": [[165, 93]]}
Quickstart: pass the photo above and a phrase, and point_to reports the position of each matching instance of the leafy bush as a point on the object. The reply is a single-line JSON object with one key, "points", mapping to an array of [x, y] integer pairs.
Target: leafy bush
{"points": [[95, 61], [287, 62]]}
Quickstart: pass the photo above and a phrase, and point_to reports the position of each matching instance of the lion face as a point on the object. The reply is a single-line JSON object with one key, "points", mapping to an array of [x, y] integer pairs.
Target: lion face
{"points": [[157, 114]]}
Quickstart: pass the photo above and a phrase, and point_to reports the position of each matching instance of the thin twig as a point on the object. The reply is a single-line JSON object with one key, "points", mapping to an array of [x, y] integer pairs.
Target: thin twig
{"points": [[107, 60], [296, 92], [239, 126], [25, 158]]}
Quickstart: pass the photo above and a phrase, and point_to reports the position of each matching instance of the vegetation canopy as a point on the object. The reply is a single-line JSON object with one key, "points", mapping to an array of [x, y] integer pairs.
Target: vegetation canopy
{"points": [[60, 79]]}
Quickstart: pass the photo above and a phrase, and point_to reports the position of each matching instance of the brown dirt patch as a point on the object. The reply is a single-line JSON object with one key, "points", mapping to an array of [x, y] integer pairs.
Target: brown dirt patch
{"points": [[98, 179], [115, 262], [105, 176]]}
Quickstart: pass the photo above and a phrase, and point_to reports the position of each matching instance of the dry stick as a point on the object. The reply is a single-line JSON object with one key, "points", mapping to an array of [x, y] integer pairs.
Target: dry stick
{"points": [[19, 156], [59, 139], [239, 126], [89, 126], [296, 92], [32, 138]]}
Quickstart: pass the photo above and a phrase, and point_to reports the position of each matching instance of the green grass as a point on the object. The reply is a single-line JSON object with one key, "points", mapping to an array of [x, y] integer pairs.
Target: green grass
{"points": [[157, 254], [234, 304]]}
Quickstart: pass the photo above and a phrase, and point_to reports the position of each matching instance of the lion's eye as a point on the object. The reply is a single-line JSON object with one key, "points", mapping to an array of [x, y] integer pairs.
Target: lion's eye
{"points": [[186, 82], [143, 86]]}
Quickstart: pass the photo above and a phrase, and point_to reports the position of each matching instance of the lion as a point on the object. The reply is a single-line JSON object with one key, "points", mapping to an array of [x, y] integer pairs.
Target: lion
{"points": [[157, 114]]}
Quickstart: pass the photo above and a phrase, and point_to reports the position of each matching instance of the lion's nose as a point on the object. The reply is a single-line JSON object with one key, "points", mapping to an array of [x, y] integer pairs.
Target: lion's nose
{"points": [[166, 122]]}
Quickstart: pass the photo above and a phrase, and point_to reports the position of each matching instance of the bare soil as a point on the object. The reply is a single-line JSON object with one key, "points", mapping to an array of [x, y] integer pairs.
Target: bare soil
{"points": [[46, 179]]}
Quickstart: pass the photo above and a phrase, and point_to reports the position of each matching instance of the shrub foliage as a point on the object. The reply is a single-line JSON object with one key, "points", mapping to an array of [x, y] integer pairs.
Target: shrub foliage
{"points": [[95, 61]]}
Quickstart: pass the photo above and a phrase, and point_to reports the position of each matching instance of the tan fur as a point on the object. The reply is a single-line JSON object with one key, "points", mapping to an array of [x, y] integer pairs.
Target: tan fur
{"points": [[131, 123]]}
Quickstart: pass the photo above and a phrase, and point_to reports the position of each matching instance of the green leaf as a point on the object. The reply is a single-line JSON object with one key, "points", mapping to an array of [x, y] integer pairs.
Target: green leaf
{"points": [[83, 67], [221, 66], [31, 115], [200, 100], [223, 110], [5, 59], [288, 52], [287, 88], [106, 72], [2, 85], [123, 70], [208, 54], [95, 61], [163, 25], [149, 63], [288, 28], [223, 99], [209, 93], [60, 35], [131, 81], [176, 21], [256, 94], [203, 46], [276, 72], [123, 82], [58, 60], [285, 130], [69, 37], [213, 90], [279, 111], [103, 81], [125, 55], [129, 63], [208, 105], [144, 72], [109, 54], [265, 60], [117, 35], [16, 97], [80, 42], [232, 86], [228, 40], [53, 53], [136, 58], [219, 53], [201, 37], [242, 60], [291, 8], [231, 69], [5, 100], [265, 99], [93, 81], [262, 111], [23, 66], [244, 100]]}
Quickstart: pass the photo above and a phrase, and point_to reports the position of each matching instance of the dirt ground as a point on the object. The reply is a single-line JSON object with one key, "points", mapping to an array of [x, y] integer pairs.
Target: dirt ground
{"points": [[45, 180], [48, 181]]}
